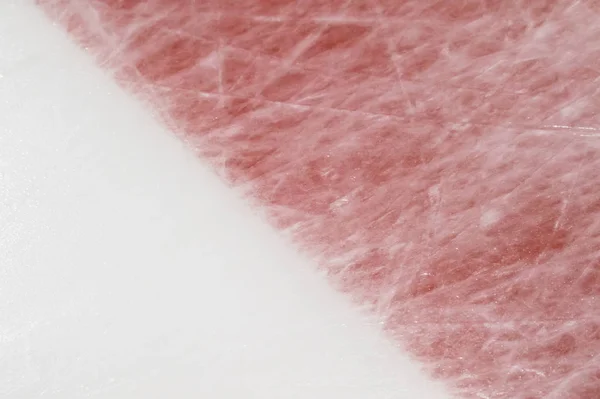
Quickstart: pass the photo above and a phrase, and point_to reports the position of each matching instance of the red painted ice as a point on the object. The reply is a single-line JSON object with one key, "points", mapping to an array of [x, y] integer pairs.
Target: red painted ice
{"points": [[441, 159]]}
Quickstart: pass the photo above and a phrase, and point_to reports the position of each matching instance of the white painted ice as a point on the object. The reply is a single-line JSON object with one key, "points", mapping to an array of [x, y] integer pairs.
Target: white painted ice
{"points": [[128, 271]]}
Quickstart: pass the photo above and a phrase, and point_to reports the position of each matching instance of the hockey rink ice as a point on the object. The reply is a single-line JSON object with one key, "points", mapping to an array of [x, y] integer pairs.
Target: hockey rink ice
{"points": [[300, 199]]}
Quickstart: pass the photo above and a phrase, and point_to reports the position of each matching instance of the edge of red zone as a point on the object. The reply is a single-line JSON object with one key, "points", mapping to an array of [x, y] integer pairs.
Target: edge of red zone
{"points": [[253, 150]]}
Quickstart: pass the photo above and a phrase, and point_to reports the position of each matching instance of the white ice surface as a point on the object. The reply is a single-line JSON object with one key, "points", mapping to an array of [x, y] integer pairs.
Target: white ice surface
{"points": [[127, 270]]}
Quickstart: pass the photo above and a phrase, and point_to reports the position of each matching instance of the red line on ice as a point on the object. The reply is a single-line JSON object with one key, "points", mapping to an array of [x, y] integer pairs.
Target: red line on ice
{"points": [[437, 157]]}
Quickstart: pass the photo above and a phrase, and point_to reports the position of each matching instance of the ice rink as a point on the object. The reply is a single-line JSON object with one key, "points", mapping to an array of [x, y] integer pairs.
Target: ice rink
{"points": [[129, 270]]}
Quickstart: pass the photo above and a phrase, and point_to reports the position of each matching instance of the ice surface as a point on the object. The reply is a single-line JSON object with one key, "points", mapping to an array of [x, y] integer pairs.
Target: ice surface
{"points": [[438, 158], [128, 271]]}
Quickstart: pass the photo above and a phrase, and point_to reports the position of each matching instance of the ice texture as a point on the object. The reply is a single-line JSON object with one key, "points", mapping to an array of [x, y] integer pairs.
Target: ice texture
{"points": [[129, 271], [440, 159]]}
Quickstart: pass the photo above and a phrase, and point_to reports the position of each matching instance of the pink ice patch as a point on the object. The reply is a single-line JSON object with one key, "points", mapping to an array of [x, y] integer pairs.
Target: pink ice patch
{"points": [[441, 159]]}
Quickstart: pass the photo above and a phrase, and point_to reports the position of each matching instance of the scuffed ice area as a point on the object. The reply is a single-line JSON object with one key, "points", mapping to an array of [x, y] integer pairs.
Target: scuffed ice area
{"points": [[127, 271], [439, 158]]}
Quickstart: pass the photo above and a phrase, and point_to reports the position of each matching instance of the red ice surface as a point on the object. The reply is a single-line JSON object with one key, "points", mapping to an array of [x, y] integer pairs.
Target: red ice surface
{"points": [[441, 159]]}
